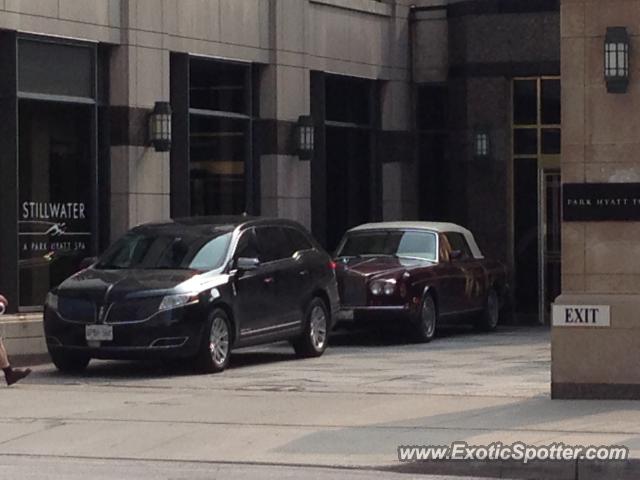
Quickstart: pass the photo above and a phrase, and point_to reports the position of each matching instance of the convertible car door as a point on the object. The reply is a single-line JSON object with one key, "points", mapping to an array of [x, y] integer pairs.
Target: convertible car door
{"points": [[470, 271]]}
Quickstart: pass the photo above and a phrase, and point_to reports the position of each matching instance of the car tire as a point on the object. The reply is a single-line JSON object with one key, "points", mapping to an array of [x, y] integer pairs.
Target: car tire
{"points": [[315, 337], [69, 362], [215, 349], [426, 321], [490, 316]]}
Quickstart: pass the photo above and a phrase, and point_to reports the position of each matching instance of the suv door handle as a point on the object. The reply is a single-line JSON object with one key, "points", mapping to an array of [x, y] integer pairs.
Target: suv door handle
{"points": [[303, 273], [269, 281]]}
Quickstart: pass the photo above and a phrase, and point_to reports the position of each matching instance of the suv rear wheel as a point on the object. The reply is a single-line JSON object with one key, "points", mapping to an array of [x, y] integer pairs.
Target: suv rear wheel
{"points": [[314, 338]]}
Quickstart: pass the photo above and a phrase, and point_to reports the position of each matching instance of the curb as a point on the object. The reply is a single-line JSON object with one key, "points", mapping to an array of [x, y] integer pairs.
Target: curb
{"points": [[535, 470]]}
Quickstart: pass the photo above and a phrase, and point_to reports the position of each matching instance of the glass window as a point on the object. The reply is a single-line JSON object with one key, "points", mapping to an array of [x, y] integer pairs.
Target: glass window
{"points": [[218, 151], [55, 69], [247, 246], [55, 208], [525, 102], [459, 243], [525, 141], [550, 102], [348, 99], [165, 251], [274, 244], [218, 86], [298, 240], [432, 107], [393, 243], [550, 141]]}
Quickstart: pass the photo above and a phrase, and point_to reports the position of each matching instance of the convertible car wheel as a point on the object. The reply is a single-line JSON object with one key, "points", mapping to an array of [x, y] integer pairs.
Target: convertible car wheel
{"points": [[69, 362], [215, 351], [425, 325], [489, 318], [313, 341]]}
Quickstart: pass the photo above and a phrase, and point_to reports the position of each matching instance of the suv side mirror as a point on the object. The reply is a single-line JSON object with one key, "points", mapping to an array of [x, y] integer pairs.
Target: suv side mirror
{"points": [[244, 264], [87, 262]]}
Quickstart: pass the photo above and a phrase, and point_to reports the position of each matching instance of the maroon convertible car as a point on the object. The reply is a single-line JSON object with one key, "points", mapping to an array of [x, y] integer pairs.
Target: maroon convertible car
{"points": [[425, 272]]}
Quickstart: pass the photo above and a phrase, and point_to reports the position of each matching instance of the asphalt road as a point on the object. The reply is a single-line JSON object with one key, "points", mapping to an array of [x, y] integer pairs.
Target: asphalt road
{"points": [[271, 415]]}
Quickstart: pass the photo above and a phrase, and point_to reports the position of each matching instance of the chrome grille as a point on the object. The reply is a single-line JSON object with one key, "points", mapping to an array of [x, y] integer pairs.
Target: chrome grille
{"points": [[353, 291], [133, 310], [77, 309]]}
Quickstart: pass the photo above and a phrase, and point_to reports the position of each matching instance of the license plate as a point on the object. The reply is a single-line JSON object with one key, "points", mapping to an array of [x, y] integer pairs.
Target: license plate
{"points": [[99, 333], [345, 315]]}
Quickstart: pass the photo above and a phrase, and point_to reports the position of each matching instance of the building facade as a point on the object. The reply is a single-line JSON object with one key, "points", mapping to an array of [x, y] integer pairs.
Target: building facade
{"points": [[427, 109]]}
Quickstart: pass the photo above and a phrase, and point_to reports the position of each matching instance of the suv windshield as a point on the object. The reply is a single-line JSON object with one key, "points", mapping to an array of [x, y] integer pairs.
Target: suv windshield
{"points": [[397, 243], [162, 251]]}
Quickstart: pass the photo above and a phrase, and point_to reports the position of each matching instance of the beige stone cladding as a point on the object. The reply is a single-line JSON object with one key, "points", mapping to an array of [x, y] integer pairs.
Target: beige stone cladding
{"points": [[600, 144]]}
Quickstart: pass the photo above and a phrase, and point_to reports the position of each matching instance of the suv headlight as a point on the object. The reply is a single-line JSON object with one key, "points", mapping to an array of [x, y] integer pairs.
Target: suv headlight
{"points": [[179, 300], [51, 301]]}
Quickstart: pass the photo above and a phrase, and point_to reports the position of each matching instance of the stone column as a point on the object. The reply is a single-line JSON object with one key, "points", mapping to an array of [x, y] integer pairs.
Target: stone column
{"points": [[139, 72], [600, 259], [284, 96]]}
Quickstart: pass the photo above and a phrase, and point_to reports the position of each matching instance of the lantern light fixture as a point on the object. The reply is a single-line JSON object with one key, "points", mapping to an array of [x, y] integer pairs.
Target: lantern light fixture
{"points": [[305, 137], [616, 59], [160, 127], [482, 144]]}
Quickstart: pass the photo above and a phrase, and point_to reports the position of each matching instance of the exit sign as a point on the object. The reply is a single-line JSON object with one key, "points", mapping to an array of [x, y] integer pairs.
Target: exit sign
{"points": [[581, 316]]}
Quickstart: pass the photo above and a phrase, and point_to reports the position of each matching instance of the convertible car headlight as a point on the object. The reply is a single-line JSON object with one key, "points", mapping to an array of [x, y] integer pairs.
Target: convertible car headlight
{"points": [[390, 287], [175, 301], [377, 288], [51, 301]]}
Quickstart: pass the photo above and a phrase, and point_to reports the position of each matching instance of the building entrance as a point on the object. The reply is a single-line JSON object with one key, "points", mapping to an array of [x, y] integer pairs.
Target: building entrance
{"points": [[536, 184]]}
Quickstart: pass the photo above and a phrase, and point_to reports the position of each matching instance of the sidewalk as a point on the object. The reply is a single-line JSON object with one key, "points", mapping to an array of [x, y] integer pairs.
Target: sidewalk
{"points": [[24, 338], [351, 408]]}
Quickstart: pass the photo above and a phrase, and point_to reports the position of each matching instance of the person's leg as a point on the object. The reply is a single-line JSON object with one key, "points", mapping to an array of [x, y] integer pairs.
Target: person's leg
{"points": [[11, 375], [4, 359]]}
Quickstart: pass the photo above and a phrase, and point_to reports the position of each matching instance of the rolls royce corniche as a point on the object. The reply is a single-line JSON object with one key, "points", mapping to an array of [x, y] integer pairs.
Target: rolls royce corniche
{"points": [[195, 289], [426, 273]]}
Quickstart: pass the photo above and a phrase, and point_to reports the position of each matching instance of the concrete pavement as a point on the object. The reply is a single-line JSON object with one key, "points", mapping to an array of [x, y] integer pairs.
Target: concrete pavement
{"points": [[350, 408]]}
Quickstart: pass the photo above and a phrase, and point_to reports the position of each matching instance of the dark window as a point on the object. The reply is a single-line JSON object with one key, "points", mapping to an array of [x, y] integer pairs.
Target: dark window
{"points": [[217, 163], [274, 244], [432, 107], [550, 141], [298, 240], [247, 246], [55, 69], [348, 100], [56, 209], [459, 243], [525, 102], [218, 86], [525, 141], [551, 102]]}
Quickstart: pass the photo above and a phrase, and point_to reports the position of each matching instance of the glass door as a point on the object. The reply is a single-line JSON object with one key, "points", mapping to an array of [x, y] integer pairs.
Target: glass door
{"points": [[536, 190]]}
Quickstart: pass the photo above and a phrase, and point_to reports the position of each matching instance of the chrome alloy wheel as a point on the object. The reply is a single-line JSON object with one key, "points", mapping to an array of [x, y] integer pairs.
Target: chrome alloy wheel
{"points": [[428, 317], [493, 309], [219, 340], [318, 330]]}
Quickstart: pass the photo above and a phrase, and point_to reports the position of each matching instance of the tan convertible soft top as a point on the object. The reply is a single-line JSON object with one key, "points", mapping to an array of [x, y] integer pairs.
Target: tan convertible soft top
{"points": [[439, 227]]}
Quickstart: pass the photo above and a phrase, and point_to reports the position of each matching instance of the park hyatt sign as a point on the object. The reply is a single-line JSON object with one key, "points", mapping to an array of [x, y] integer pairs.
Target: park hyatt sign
{"points": [[600, 202], [581, 316]]}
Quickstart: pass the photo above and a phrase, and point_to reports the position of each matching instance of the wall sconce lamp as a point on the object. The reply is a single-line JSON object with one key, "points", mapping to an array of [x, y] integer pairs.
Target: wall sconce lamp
{"points": [[305, 137], [616, 59], [481, 144], [160, 127]]}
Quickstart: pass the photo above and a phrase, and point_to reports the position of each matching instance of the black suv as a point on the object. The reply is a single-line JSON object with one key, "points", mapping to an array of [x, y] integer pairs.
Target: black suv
{"points": [[194, 289]]}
